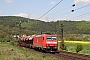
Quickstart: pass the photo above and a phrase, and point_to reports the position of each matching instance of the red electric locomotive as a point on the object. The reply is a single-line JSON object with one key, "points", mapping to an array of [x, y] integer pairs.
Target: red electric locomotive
{"points": [[46, 42]]}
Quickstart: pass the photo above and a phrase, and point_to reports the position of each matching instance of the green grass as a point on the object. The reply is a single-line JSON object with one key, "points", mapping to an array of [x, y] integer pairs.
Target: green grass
{"points": [[71, 47], [9, 52]]}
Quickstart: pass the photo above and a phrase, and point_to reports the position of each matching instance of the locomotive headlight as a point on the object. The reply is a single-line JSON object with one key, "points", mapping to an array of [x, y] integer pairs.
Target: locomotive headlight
{"points": [[55, 47]]}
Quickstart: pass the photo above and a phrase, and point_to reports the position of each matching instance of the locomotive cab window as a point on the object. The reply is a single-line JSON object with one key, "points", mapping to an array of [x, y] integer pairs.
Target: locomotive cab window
{"points": [[51, 37]]}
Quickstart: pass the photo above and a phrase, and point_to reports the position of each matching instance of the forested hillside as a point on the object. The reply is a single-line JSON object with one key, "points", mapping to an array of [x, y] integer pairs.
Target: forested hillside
{"points": [[79, 27], [9, 25]]}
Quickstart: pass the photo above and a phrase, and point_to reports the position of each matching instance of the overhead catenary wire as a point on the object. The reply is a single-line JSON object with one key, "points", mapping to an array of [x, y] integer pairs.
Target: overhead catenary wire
{"points": [[80, 15], [64, 9], [76, 9], [61, 10], [83, 7], [51, 9]]}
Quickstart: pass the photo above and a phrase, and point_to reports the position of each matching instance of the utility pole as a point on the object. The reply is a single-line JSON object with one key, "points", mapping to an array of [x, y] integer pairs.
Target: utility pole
{"points": [[62, 40], [20, 26], [19, 33]]}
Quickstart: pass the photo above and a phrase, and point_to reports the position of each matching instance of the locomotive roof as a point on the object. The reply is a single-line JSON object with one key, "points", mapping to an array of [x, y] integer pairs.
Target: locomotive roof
{"points": [[44, 34]]}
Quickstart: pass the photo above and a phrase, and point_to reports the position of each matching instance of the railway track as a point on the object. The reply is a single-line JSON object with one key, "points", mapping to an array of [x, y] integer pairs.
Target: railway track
{"points": [[65, 55], [72, 56], [68, 55]]}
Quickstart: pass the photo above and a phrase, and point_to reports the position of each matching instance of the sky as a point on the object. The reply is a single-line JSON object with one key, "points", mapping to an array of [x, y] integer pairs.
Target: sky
{"points": [[34, 9]]}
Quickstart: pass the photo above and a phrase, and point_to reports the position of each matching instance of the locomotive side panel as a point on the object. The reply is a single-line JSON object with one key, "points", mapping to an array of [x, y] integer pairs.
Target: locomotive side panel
{"points": [[38, 41]]}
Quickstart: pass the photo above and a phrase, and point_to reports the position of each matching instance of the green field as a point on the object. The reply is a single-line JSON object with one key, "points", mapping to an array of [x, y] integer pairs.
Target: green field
{"points": [[9, 52], [71, 47]]}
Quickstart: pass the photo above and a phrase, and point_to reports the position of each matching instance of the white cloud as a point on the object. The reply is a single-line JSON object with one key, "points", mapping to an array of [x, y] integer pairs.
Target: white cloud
{"points": [[9, 1], [81, 1], [37, 16], [52, 3], [33, 16], [22, 15]]}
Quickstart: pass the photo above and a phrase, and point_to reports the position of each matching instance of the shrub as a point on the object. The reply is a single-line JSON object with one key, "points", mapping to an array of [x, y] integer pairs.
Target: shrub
{"points": [[79, 47]]}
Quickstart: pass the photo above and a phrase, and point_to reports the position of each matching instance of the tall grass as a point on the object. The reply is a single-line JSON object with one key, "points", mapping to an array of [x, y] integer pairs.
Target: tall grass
{"points": [[10, 52]]}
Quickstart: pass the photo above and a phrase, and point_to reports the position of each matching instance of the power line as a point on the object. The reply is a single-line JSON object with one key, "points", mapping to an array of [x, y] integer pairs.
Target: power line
{"points": [[51, 8], [75, 9], [64, 9], [60, 10], [82, 7], [81, 15]]}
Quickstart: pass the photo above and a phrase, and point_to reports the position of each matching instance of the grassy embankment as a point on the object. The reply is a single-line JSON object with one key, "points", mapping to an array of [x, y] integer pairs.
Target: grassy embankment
{"points": [[9, 52]]}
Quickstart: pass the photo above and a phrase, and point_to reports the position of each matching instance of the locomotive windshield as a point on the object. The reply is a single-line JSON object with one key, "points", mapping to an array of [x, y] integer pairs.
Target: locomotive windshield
{"points": [[51, 37]]}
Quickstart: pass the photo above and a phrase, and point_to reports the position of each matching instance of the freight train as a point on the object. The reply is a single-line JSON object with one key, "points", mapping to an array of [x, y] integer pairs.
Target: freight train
{"points": [[43, 42]]}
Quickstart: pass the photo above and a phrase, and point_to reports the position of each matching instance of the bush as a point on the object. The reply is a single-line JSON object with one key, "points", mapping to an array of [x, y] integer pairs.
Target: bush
{"points": [[79, 47]]}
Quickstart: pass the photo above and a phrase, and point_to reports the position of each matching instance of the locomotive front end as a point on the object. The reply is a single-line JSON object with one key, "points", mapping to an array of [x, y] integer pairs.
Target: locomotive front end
{"points": [[51, 43]]}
